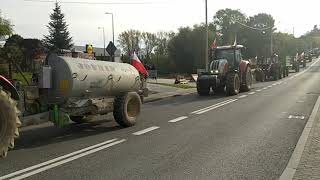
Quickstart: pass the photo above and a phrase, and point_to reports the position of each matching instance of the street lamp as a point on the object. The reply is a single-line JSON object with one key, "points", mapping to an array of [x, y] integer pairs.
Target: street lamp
{"points": [[104, 43], [206, 36], [112, 26]]}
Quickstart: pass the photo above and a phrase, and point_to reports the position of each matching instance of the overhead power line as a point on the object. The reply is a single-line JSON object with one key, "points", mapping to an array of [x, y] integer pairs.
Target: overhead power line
{"points": [[254, 28], [97, 3]]}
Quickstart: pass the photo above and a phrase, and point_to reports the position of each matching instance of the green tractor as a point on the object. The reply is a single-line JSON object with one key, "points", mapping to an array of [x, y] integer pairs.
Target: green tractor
{"points": [[227, 72]]}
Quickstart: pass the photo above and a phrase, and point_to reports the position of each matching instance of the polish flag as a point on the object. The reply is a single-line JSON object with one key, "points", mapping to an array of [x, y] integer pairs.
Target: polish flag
{"points": [[214, 44], [138, 65]]}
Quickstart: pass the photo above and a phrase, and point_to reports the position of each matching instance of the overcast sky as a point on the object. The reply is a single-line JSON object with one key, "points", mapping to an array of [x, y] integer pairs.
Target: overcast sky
{"points": [[30, 18]]}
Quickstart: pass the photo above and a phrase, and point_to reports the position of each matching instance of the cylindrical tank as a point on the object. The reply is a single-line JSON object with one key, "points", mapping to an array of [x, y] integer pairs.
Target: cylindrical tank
{"points": [[76, 77]]}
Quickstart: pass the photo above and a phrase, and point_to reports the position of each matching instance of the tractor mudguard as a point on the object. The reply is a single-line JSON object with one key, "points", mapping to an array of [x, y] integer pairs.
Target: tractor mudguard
{"points": [[243, 66], [8, 86]]}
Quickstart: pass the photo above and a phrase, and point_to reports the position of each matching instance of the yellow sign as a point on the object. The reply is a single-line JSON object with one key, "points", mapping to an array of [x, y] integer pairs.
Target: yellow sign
{"points": [[89, 49], [64, 87]]}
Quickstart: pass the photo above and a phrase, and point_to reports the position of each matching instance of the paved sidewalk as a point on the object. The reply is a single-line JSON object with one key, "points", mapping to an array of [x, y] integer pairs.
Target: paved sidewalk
{"points": [[309, 166]]}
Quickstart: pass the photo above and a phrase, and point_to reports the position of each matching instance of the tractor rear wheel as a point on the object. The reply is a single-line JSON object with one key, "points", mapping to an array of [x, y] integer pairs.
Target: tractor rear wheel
{"points": [[247, 80], [126, 109], [232, 84], [9, 122]]}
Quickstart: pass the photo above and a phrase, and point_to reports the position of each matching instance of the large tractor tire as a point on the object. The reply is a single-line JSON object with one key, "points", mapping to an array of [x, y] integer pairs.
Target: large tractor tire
{"points": [[247, 80], [232, 84], [275, 75], [9, 123], [203, 90], [126, 109], [280, 74]]}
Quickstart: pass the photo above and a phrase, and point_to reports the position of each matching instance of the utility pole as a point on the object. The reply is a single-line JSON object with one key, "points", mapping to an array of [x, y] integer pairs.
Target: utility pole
{"points": [[271, 42], [206, 37]]}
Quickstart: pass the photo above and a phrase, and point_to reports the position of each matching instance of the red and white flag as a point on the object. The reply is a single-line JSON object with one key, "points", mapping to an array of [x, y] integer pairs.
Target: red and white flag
{"points": [[138, 65], [214, 44]]}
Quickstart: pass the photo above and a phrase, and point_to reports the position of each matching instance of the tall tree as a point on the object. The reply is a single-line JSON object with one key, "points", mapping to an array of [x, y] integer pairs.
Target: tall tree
{"points": [[186, 48], [150, 42], [59, 36], [259, 41], [5, 26], [163, 39], [130, 41], [226, 22]]}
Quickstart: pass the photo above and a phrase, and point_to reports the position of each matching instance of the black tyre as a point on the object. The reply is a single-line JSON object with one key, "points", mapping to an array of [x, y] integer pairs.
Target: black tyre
{"points": [[247, 80], [9, 123], [287, 72], [127, 109], [263, 76], [280, 74], [275, 75], [232, 84], [203, 90], [304, 64], [78, 119]]}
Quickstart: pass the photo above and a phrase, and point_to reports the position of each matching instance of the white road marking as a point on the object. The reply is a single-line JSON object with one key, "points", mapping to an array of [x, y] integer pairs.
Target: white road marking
{"points": [[251, 93], [294, 161], [243, 96], [67, 160], [194, 112], [264, 88], [296, 117], [178, 119], [146, 130], [270, 86], [55, 160], [274, 84], [259, 90], [215, 107]]}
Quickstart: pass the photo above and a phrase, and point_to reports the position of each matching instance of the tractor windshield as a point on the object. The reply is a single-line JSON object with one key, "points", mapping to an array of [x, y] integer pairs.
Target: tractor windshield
{"points": [[227, 54]]}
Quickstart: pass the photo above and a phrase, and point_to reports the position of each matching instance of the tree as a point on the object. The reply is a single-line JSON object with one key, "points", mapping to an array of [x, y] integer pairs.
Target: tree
{"points": [[186, 48], [130, 41], [259, 39], [150, 42], [59, 36], [163, 39], [226, 22], [5, 27], [33, 48], [13, 52]]}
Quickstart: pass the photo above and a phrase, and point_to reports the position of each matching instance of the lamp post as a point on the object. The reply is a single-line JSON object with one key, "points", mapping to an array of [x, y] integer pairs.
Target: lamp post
{"points": [[206, 37], [104, 43], [112, 26]]}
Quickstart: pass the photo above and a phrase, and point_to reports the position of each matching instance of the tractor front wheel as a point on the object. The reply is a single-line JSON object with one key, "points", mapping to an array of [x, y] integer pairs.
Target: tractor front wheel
{"points": [[232, 84], [247, 80]]}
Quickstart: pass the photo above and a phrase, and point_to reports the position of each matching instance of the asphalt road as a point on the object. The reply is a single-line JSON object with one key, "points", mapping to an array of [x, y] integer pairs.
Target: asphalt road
{"points": [[249, 136]]}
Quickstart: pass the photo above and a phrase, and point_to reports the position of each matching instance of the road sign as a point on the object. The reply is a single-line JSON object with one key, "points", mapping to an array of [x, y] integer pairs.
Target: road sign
{"points": [[111, 48]]}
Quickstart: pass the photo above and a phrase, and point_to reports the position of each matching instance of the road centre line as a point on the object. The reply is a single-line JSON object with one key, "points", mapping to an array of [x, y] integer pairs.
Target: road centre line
{"points": [[67, 160], [178, 119], [194, 112], [259, 90], [270, 86], [243, 96], [251, 93], [56, 159], [215, 107], [274, 84], [138, 133], [264, 88]]}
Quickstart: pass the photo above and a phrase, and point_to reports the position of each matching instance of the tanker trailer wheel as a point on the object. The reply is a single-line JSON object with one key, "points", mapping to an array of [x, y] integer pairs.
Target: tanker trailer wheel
{"points": [[126, 109], [9, 123], [78, 119], [247, 80], [232, 84]]}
